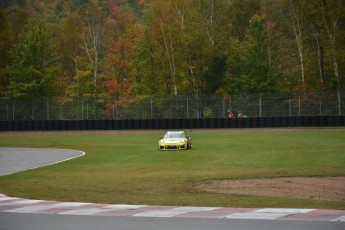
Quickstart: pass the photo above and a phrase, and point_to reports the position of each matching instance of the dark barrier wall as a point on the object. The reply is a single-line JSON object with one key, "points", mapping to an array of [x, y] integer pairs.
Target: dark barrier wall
{"points": [[261, 122]]}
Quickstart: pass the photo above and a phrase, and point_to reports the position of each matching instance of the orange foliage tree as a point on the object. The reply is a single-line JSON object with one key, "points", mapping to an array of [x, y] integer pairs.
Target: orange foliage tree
{"points": [[119, 82]]}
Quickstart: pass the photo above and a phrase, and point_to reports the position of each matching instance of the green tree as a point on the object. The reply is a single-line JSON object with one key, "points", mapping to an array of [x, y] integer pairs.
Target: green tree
{"points": [[332, 13], [250, 69], [33, 72], [316, 27], [185, 38], [75, 4], [6, 42], [7, 3], [82, 43], [190, 47], [69, 42], [143, 64], [241, 12]]}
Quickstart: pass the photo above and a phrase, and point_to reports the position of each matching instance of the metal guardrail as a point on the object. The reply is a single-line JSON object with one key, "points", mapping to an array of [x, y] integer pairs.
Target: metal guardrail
{"points": [[191, 123]]}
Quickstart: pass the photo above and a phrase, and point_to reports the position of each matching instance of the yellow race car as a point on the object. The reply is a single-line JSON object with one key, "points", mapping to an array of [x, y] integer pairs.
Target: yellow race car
{"points": [[175, 140]]}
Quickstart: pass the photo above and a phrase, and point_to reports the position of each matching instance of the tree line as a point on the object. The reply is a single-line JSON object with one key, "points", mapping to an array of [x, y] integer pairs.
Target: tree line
{"points": [[131, 49]]}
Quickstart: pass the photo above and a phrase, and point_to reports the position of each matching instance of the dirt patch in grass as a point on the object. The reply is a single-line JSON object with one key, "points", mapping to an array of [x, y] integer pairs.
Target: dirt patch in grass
{"points": [[319, 188]]}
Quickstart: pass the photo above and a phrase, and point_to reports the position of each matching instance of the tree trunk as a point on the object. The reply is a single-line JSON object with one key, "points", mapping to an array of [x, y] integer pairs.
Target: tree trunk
{"points": [[331, 32], [295, 21], [320, 63], [169, 49], [209, 21]]}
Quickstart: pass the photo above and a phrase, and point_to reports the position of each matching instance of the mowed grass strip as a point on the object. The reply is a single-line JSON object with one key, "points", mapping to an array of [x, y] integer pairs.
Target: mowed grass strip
{"points": [[126, 167]]}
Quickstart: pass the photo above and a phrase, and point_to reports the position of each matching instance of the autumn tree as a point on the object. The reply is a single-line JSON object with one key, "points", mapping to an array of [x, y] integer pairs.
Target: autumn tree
{"points": [[69, 46], [128, 49], [82, 35], [120, 82]]}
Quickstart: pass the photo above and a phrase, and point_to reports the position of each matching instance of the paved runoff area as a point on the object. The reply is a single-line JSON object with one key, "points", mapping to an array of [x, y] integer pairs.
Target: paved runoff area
{"points": [[13, 160], [19, 205]]}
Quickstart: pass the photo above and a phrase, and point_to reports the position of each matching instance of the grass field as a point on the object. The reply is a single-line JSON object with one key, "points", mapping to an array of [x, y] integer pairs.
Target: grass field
{"points": [[126, 167]]}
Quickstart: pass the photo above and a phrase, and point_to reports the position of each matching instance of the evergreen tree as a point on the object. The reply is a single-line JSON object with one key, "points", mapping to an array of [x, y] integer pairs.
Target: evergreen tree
{"points": [[33, 72], [250, 68]]}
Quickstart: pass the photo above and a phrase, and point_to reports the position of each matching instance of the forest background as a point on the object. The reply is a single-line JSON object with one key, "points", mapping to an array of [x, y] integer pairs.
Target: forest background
{"points": [[127, 50]]}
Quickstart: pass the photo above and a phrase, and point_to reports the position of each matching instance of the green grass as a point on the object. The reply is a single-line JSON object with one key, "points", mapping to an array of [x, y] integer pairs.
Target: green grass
{"points": [[128, 168]]}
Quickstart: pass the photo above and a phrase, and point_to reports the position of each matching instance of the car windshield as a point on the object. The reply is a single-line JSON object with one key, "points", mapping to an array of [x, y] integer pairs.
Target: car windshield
{"points": [[174, 135]]}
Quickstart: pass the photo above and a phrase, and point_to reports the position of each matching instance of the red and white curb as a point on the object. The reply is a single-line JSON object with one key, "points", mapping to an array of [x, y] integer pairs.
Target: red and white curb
{"points": [[18, 205]]}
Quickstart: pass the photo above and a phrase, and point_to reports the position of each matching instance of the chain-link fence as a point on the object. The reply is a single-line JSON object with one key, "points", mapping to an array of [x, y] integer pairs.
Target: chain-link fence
{"points": [[175, 107]]}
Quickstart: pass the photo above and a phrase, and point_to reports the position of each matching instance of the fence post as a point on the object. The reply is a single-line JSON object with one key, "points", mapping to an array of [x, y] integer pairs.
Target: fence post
{"points": [[320, 105], [60, 112], [299, 105], [47, 108], [13, 110], [87, 111], [290, 112], [230, 109], [197, 110], [339, 102], [151, 109], [32, 113], [187, 109], [223, 107], [94, 110], [201, 107], [82, 109], [142, 110], [170, 110], [113, 112], [116, 110], [260, 109]]}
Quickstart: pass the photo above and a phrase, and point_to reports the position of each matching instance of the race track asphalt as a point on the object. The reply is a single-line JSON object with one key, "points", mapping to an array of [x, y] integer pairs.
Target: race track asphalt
{"points": [[14, 160]]}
